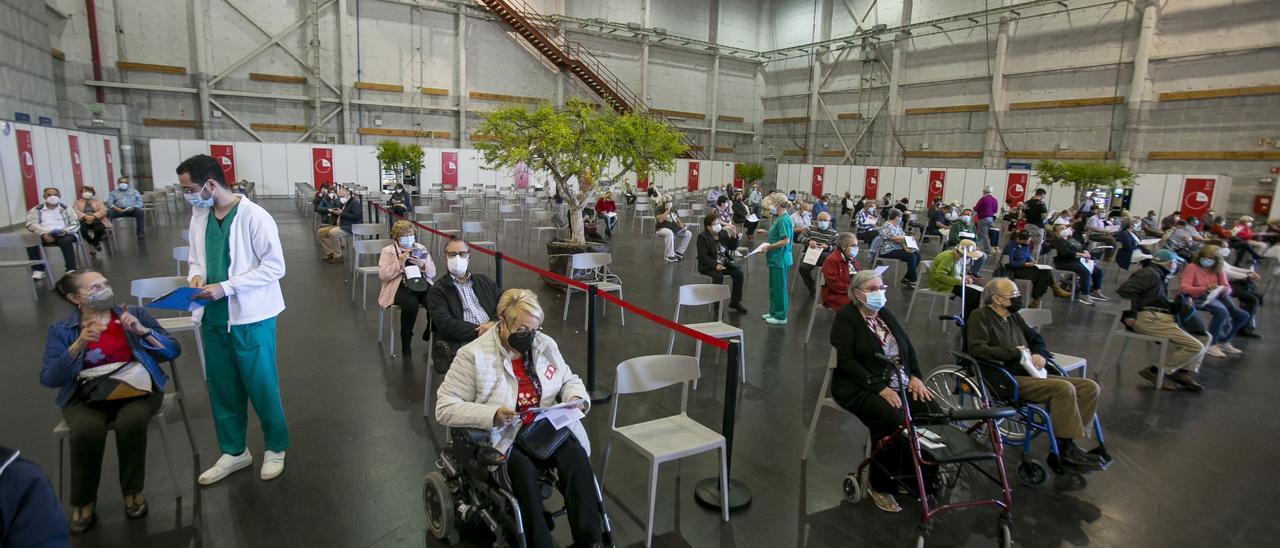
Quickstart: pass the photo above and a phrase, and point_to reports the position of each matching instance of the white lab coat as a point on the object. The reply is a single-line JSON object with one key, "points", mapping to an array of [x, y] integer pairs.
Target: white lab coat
{"points": [[257, 263]]}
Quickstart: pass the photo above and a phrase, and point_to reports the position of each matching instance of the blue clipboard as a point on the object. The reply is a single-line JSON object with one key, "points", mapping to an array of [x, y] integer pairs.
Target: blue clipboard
{"points": [[182, 299]]}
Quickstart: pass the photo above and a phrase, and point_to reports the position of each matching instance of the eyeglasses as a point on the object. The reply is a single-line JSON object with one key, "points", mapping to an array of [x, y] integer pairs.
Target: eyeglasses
{"points": [[452, 254], [94, 288]]}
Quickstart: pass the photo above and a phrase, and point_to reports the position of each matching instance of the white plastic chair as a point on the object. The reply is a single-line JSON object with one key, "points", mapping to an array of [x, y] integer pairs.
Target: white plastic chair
{"points": [[669, 438], [476, 227], [507, 214], [824, 401], [1037, 318], [1118, 329], [181, 255], [365, 248], [540, 223], [20, 241], [643, 212], [705, 294], [922, 290], [150, 289], [605, 281], [891, 274], [364, 231], [817, 304]]}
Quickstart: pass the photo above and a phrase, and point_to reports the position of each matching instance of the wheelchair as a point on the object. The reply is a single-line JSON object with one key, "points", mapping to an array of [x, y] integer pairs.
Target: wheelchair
{"points": [[471, 490], [971, 384]]}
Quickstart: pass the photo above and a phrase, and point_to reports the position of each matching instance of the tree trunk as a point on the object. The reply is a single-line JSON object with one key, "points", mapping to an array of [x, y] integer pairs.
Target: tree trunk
{"points": [[577, 232], [1079, 196]]}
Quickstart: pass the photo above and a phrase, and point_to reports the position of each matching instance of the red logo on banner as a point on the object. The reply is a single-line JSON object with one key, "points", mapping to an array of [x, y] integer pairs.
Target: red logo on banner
{"points": [[1262, 204], [226, 157], [1197, 194], [27, 163], [872, 183], [642, 183], [449, 170], [738, 182], [937, 183], [321, 166], [73, 143], [1016, 189], [693, 175], [816, 185], [111, 168]]}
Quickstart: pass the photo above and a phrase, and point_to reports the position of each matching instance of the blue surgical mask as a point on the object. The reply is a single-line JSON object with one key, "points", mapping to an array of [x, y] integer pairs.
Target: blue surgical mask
{"points": [[965, 218], [824, 224], [197, 199], [1207, 263], [876, 300], [407, 241]]}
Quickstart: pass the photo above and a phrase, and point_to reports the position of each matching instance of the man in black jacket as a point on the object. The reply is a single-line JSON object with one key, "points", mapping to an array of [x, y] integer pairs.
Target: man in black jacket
{"points": [[715, 258], [1151, 313], [342, 213], [461, 305], [1035, 211]]}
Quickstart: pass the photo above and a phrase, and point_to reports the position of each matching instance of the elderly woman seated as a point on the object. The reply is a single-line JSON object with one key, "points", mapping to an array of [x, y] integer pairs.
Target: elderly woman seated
{"points": [[493, 383]]}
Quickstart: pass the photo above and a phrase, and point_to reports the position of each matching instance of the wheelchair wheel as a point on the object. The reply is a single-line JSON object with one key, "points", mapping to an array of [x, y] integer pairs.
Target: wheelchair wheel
{"points": [[952, 388], [1004, 533], [1012, 430], [852, 488], [438, 503], [1031, 473]]}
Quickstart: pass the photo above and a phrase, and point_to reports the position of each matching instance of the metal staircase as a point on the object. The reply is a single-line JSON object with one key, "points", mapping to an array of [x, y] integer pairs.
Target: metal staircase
{"points": [[572, 57]]}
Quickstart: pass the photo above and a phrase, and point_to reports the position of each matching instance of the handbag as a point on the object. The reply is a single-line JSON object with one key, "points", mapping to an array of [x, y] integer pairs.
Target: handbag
{"points": [[107, 387], [540, 439]]}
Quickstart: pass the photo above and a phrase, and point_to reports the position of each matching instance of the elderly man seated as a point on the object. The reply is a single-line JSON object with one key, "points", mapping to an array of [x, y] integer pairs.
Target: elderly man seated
{"points": [[997, 333], [821, 235]]}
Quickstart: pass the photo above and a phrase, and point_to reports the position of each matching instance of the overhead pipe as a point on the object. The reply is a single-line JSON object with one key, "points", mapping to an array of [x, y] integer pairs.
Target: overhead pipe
{"points": [[96, 55]]}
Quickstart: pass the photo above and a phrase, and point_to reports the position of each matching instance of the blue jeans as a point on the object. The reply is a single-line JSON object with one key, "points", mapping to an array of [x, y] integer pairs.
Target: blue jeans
{"points": [[1226, 319], [1086, 282], [912, 259]]}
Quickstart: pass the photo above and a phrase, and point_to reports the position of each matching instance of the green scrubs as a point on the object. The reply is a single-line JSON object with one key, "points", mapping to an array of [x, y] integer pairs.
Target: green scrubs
{"points": [[240, 360], [779, 261]]}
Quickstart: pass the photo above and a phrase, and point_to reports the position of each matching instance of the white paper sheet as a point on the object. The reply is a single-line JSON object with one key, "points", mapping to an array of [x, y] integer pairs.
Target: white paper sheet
{"points": [[412, 271], [1043, 266], [880, 270], [911, 243], [1088, 264], [751, 218], [1213, 295], [811, 256]]}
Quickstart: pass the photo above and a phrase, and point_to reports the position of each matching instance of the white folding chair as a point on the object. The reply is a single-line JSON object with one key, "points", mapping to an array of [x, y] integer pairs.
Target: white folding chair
{"points": [[643, 212], [707, 294], [181, 255], [540, 223], [891, 263], [817, 305], [1037, 318], [476, 227], [150, 289], [669, 438], [604, 280], [824, 401], [507, 215], [20, 241], [922, 290], [362, 249], [363, 231], [1118, 330]]}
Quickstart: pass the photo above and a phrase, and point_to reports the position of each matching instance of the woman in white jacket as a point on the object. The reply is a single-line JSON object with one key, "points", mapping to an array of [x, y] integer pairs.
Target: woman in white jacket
{"points": [[493, 381]]}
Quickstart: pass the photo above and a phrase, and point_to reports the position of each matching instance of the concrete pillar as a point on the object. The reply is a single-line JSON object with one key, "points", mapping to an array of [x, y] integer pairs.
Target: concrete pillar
{"points": [[346, 74], [993, 151], [199, 21], [460, 51], [644, 54], [713, 86], [893, 108], [1139, 90], [822, 14]]}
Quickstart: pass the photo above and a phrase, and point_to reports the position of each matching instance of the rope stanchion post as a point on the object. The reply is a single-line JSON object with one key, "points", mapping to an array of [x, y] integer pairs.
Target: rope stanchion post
{"points": [[497, 269], [707, 491], [600, 395]]}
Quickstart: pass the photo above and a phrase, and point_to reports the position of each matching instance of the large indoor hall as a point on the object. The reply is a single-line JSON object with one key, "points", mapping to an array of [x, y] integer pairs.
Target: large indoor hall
{"points": [[543, 273]]}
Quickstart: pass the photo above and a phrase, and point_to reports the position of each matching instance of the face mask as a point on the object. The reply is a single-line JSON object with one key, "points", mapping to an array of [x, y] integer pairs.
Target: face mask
{"points": [[965, 218], [102, 299], [1066, 233], [522, 342], [343, 200], [876, 300], [87, 195], [407, 241], [457, 265], [852, 252], [52, 200], [333, 195], [123, 186], [197, 199], [1207, 263], [1015, 304], [952, 216], [716, 228], [824, 224]]}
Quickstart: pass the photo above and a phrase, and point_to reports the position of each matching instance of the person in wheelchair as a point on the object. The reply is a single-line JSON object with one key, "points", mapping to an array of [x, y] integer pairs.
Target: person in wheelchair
{"points": [[998, 334], [493, 382], [863, 385]]}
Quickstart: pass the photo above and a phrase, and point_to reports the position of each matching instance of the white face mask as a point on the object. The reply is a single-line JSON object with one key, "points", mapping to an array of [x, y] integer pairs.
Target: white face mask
{"points": [[716, 228], [123, 186], [53, 200], [87, 195], [343, 199], [458, 265]]}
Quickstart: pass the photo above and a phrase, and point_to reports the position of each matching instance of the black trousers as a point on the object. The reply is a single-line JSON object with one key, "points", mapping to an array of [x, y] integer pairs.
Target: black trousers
{"points": [[65, 242], [409, 303], [732, 271], [1041, 279], [806, 271], [1246, 292], [138, 218], [88, 425], [93, 232], [577, 484], [972, 298], [883, 419]]}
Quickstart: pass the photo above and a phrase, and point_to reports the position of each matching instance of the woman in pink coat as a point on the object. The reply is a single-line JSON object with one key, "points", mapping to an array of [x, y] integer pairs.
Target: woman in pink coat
{"points": [[1201, 280], [406, 271]]}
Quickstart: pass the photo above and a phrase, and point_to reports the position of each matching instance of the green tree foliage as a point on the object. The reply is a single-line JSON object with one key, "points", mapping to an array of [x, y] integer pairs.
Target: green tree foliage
{"points": [[1084, 176], [751, 173], [595, 145], [400, 158]]}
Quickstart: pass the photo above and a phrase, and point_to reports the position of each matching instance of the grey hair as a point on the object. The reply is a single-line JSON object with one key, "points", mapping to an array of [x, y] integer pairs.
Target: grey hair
{"points": [[845, 239], [989, 291], [861, 278]]}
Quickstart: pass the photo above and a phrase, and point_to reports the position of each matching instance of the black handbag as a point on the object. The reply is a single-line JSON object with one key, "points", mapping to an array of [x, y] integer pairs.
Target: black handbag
{"points": [[540, 439], [103, 388]]}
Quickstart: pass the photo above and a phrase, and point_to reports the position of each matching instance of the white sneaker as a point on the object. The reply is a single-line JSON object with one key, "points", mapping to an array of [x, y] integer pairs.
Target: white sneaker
{"points": [[1215, 351], [1230, 348], [225, 466], [1084, 299], [272, 465], [38, 275]]}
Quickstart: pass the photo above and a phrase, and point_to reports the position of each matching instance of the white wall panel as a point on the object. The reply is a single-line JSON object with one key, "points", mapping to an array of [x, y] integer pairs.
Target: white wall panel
{"points": [[165, 157], [908, 182], [40, 149], [188, 148], [468, 168], [1172, 194], [804, 182], [275, 179], [94, 165], [14, 211], [249, 163], [368, 169], [297, 158], [345, 166], [60, 159], [1148, 194]]}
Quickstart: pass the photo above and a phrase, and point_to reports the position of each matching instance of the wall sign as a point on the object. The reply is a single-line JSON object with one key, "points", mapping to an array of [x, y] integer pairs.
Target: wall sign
{"points": [[871, 183], [321, 166], [226, 157], [937, 183], [449, 170], [27, 165], [693, 176]]}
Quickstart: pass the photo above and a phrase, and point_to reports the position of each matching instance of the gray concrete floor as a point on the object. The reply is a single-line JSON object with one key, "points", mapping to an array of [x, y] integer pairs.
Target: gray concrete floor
{"points": [[1191, 470]]}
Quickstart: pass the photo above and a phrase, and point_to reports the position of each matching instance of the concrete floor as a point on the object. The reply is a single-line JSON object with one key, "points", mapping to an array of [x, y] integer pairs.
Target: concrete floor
{"points": [[1191, 470]]}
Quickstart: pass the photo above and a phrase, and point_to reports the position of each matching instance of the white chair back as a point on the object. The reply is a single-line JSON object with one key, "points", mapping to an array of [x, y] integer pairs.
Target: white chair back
{"points": [[18, 240], [369, 247], [182, 253], [1036, 317], [643, 207], [149, 289], [472, 227], [423, 210], [700, 294], [649, 373], [374, 230], [590, 261]]}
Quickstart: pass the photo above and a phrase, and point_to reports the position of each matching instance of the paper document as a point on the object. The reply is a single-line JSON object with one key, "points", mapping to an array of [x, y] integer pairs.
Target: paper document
{"points": [[1213, 295], [561, 418], [412, 271], [968, 235], [564, 405], [611, 214], [759, 249], [911, 243], [811, 256], [880, 270], [1148, 241], [182, 298], [1031, 368], [1043, 266], [751, 218], [974, 287], [1088, 264]]}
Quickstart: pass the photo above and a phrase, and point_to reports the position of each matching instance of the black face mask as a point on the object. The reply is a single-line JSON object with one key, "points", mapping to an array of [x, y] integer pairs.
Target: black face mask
{"points": [[522, 342], [1015, 304]]}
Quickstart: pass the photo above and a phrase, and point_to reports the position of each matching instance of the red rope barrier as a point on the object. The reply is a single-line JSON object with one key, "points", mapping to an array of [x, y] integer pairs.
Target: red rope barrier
{"points": [[646, 314]]}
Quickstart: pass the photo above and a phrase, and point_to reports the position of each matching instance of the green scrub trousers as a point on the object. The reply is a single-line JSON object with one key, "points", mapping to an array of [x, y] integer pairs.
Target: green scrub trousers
{"points": [[240, 360], [779, 262]]}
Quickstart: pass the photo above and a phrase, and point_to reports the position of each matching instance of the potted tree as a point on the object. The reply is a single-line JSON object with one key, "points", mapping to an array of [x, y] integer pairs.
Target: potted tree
{"points": [[1084, 176], [594, 145], [400, 158], [750, 173]]}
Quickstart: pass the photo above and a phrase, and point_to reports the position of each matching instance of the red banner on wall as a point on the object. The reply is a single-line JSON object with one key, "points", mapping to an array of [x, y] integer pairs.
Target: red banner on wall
{"points": [[449, 170], [111, 167], [1015, 191], [321, 166], [737, 179], [73, 143], [226, 157], [642, 183], [27, 163], [693, 176], [937, 183], [871, 184], [1197, 195], [815, 186]]}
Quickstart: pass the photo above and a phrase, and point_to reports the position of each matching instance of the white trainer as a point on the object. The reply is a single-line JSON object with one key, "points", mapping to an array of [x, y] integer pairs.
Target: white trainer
{"points": [[1215, 350], [272, 465], [225, 466], [38, 275], [1230, 348]]}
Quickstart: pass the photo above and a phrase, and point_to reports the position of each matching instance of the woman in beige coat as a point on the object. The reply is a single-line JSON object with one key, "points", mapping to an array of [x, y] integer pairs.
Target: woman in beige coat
{"points": [[392, 271], [92, 214]]}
